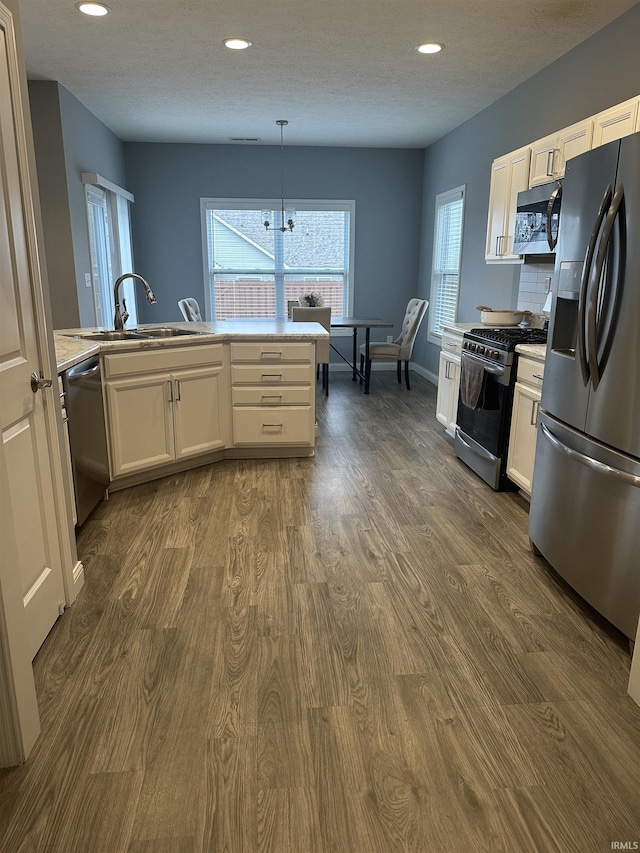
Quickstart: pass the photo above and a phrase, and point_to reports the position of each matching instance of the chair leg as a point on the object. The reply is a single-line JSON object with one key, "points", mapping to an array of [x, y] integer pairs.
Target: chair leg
{"points": [[317, 371], [406, 374], [361, 368], [399, 373], [325, 371]]}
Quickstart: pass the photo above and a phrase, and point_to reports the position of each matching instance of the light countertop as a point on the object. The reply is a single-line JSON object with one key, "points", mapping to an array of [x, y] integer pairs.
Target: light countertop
{"points": [[71, 350], [537, 351]]}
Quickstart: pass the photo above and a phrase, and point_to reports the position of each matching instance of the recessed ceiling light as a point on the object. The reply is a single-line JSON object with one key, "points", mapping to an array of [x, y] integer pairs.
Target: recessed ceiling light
{"points": [[236, 43], [96, 10], [430, 47]]}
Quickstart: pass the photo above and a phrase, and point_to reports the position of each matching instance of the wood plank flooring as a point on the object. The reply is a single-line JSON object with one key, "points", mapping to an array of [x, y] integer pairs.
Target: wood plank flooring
{"points": [[351, 653]]}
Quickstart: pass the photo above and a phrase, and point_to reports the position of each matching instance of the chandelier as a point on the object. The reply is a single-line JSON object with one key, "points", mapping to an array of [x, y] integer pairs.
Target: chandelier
{"points": [[289, 214]]}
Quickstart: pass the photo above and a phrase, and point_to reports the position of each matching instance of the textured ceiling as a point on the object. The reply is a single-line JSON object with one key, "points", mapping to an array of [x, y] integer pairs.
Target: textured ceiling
{"points": [[343, 72]]}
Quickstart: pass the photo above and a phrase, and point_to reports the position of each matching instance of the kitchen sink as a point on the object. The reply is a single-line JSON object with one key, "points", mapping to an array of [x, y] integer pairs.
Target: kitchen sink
{"points": [[113, 335], [136, 334]]}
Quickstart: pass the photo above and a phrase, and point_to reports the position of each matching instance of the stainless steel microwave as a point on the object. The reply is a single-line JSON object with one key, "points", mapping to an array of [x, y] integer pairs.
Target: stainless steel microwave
{"points": [[537, 220]]}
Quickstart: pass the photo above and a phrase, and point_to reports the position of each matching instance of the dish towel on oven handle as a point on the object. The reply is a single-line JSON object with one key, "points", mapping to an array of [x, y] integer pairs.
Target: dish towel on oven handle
{"points": [[472, 383]]}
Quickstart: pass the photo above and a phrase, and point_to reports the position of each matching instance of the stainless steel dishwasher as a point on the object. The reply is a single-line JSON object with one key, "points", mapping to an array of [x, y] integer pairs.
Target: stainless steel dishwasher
{"points": [[87, 436]]}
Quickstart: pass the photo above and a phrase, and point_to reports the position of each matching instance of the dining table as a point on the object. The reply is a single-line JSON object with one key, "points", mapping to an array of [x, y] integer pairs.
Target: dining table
{"points": [[355, 323]]}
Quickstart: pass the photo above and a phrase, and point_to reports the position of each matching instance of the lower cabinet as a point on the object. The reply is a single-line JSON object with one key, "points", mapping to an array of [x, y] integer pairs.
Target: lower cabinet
{"points": [[156, 416], [524, 422], [273, 394], [449, 381]]}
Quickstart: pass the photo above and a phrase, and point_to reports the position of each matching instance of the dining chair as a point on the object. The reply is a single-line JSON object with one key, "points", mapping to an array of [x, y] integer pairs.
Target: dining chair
{"points": [[190, 309], [400, 350], [322, 316]]}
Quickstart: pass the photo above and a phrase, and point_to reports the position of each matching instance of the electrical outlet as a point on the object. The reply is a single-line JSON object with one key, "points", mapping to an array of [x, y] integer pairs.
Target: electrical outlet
{"points": [[389, 339], [87, 279], [547, 284]]}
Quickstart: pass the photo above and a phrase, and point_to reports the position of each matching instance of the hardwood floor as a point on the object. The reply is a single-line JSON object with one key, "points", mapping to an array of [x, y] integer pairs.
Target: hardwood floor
{"points": [[356, 652]]}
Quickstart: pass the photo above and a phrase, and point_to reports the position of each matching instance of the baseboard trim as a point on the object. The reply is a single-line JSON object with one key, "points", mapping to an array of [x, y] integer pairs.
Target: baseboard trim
{"points": [[388, 365]]}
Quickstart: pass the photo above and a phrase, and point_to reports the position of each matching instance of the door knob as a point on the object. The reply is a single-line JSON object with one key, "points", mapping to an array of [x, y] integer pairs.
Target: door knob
{"points": [[38, 382]]}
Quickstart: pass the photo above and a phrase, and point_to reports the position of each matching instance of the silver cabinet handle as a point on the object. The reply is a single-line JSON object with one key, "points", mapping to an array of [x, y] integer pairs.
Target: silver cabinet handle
{"points": [[272, 426], [177, 390], [537, 376], [550, 159], [535, 408], [271, 353], [272, 396], [73, 377], [272, 376], [600, 467], [38, 381], [170, 384]]}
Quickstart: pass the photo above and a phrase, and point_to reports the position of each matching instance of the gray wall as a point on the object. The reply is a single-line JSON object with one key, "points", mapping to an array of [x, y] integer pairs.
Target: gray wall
{"points": [[600, 72], [69, 140], [169, 180]]}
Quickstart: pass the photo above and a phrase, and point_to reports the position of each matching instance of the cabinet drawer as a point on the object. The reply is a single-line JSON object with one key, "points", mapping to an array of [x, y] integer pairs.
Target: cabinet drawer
{"points": [[286, 396], [271, 374], [269, 425], [451, 343], [166, 358], [273, 352], [530, 372]]}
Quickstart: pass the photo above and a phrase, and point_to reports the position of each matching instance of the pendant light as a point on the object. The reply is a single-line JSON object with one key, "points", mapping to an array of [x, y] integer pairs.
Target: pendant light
{"points": [[289, 215]]}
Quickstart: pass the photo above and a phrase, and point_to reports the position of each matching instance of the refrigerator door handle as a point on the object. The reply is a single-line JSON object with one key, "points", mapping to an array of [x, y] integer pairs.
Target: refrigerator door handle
{"points": [[584, 283], [622, 476], [595, 368]]}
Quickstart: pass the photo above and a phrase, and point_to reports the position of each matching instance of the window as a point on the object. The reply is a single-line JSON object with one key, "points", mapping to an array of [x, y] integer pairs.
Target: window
{"points": [[251, 272], [447, 253], [110, 249]]}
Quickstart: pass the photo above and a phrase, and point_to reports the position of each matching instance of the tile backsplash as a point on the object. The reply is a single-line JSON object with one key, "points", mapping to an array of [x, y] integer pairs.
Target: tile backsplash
{"points": [[535, 282]]}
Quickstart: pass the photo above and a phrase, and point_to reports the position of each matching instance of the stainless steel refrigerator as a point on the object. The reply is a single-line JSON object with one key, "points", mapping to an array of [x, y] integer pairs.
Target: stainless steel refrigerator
{"points": [[585, 502]]}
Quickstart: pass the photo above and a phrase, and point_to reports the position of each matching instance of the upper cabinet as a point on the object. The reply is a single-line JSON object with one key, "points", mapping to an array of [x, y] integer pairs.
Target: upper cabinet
{"points": [[616, 122], [544, 161], [509, 176], [549, 155]]}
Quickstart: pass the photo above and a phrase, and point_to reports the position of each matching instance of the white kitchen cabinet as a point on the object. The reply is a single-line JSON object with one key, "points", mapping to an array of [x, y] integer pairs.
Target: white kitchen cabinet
{"points": [[449, 381], [509, 176], [273, 394], [524, 422], [157, 415], [550, 154], [616, 122]]}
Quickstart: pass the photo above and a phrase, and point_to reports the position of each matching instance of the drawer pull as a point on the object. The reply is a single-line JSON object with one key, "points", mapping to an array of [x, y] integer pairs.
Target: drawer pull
{"points": [[272, 396], [272, 376], [537, 376], [272, 426], [271, 353]]}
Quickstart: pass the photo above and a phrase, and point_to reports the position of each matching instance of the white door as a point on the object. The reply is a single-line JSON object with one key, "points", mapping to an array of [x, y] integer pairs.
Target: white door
{"points": [[22, 415]]}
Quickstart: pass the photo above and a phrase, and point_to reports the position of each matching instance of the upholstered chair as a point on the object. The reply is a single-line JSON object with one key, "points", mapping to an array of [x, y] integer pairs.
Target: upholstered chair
{"points": [[190, 309], [400, 350], [322, 316]]}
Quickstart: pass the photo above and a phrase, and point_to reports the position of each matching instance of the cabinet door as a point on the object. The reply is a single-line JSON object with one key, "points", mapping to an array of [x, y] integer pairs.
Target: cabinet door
{"points": [[573, 141], [518, 181], [140, 424], [198, 421], [509, 176], [543, 153], [522, 439], [615, 123], [448, 387], [497, 207]]}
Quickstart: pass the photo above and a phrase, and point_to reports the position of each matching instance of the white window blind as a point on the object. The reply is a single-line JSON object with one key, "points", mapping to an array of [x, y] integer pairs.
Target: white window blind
{"points": [[251, 272], [447, 253]]}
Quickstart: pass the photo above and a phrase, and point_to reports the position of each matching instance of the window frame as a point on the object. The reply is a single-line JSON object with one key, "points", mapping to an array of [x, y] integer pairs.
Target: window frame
{"points": [[435, 290], [259, 204]]}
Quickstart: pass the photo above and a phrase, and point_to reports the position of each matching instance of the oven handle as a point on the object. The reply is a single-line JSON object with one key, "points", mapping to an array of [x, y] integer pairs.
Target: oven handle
{"points": [[478, 450], [494, 369]]}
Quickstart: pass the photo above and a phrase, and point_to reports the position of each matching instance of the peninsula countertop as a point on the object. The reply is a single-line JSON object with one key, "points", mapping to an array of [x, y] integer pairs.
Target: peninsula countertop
{"points": [[71, 349]]}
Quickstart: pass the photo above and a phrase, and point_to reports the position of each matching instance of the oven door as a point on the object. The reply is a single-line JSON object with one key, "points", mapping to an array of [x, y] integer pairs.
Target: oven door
{"points": [[482, 432]]}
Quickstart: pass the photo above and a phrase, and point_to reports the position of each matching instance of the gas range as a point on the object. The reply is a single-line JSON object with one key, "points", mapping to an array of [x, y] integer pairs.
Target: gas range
{"points": [[499, 344]]}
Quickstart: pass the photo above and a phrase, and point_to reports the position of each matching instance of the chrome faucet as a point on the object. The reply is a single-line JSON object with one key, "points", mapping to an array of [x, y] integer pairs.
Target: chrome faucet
{"points": [[120, 319]]}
